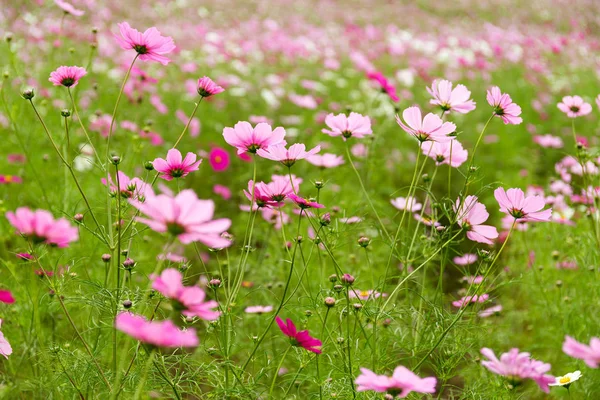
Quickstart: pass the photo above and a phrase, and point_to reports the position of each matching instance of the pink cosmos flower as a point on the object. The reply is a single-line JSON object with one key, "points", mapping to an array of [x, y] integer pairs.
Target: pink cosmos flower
{"points": [[471, 299], [488, 312], [258, 309], [188, 298], [184, 216], [347, 126], [326, 160], [6, 297], [304, 203], [429, 128], [589, 354], [222, 191], [101, 124], [247, 139], [304, 101], [68, 8], [465, 259], [133, 188], [472, 280], [299, 339], [67, 76], [400, 384], [157, 103], [517, 367], [457, 99], [218, 159], [503, 106], [471, 215], [287, 157], [150, 45], [41, 227], [5, 348], [207, 88], [385, 85], [574, 106], [451, 153], [514, 202], [7, 179], [365, 295], [409, 203], [160, 334], [273, 194], [16, 158], [174, 166], [548, 141]]}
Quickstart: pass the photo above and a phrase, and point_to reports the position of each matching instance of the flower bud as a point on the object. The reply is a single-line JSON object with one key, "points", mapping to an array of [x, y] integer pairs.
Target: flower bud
{"points": [[127, 304], [308, 313], [148, 166], [338, 288], [214, 283], [78, 218], [333, 278], [329, 302], [28, 94], [325, 219], [106, 258], [8, 36], [357, 306], [319, 184], [347, 279], [364, 241], [129, 264], [115, 160], [65, 112]]}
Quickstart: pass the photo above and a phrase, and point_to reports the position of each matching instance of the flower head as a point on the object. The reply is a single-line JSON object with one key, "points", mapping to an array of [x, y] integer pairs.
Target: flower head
{"points": [[299, 339], [150, 45], [68, 8], [430, 128], [248, 139], [400, 384], [514, 202], [287, 157], [133, 188], [175, 166], [219, 159], [347, 126], [5, 348], [384, 84], [589, 354], [156, 333], [406, 203], [41, 227], [471, 215], [574, 106], [451, 153], [6, 297], [207, 88], [465, 301], [273, 194], [326, 160], [457, 99], [67, 76], [258, 309], [503, 106], [304, 203], [465, 259], [566, 379]]}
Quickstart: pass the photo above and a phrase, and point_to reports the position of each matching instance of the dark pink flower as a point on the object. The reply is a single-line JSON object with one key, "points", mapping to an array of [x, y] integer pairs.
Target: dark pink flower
{"points": [[67, 76], [299, 339], [504, 106], [150, 45], [6, 297], [174, 166], [304, 203], [207, 88], [160, 334], [385, 85], [219, 159]]}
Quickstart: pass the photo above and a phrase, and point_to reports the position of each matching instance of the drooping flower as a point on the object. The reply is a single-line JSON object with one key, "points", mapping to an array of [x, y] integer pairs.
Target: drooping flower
{"points": [[41, 227], [406, 203], [150, 45], [347, 126], [175, 166], [504, 106], [247, 139], [287, 157], [451, 153], [304, 203], [326, 160], [566, 379], [67, 76], [457, 99], [516, 367], [514, 202], [574, 106], [299, 339], [68, 8], [184, 216], [6, 297], [402, 382], [471, 215], [207, 88], [156, 333], [430, 128], [384, 84], [589, 354], [190, 299], [5, 348]]}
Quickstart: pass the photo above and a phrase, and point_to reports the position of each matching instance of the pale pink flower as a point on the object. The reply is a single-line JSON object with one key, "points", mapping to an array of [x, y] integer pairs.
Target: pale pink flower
{"points": [[158, 104], [471, 215], [184, 216], [473, 280], [516, 367], [304, 101], [574, 106], [258, 309], [400, 384], [67, 76], [406, 203], [451, 153], [429, 128], [299, 339], [514, 202], [488, 312], [365, 295], [222, 191], [175, 166], [503, 106], [195, 125], [207, 88], [160, 334], [68, 8], [347, 126], [287, 157], [150, 45], [457, 99], [5, 348], [133, 188], [471, 299], [598, 101], [247, 139], [465, 259], [548, 141], [41, 227], [326, 160], [273, 194], [589, 354]]}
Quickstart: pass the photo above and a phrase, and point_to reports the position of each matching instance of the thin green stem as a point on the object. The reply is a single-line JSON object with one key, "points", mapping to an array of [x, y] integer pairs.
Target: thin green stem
{"points": [[87, 136], [188, 123], [276, 372]]}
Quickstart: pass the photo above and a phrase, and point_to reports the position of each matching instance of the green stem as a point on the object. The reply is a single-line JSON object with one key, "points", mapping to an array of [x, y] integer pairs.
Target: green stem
{"points": [[276, 372], [140, 387], [188, 123], [85, 130]]}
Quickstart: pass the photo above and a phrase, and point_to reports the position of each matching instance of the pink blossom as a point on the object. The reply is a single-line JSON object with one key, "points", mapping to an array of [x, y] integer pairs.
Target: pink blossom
{"points": [[68, 8], [457, 99], [548, 141], [326, 160], [247, 139], [465, 259], [222, 191], [195, 125], [472, 280], [471, 299], [429, 128], [347, 126], [409, 203], [304, 203], [574, 106], [174, 166], [488, 312], [287, 157], [273, 194], [67, 76], [304, 101], [589, 354], [207, 88], [258, 309], [160, 334], [218, 159], [6, 179], [384, 84], [101, 124], [471, 215], [133, 188], [299, 339], [400, 384], [41, 227], [6, 297], [365, 295], [451, 153], [184, 216], [503, 106], [150, 45], [514, 202], [516, 366], [5, 348], [158, 104]]}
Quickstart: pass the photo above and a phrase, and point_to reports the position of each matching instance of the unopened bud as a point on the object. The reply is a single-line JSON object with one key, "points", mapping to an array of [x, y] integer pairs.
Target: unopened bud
{"points": [[214, 283], [106, 258], [115, 160], [28, 94], [65, 112], [129, 263], [148, 166], [333, 278], [78, 218], [364, 241], [329, 302], [347, 279], [127, 304], [325, 219]]}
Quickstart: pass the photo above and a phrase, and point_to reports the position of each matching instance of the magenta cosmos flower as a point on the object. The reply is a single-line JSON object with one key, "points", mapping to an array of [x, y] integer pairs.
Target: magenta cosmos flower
{"points": [[503, 106], [517, 367], [207, 88], [451, 153], [287, 157], [347, 126], [150, 45], [514, 202], [219, 159], [400, 384], [68, 8], [457, 99], [175, 166], [273, 194], [430, 128], [247, 139], [159, 334], [6, 297], [304, 203], [465, 301], [299, 339], [189, 299], [41, 227], [471, 215], [5, 348], [67, 76], [184, 216], [384, 84], [326, 160], [589, 354], [574, 106]]}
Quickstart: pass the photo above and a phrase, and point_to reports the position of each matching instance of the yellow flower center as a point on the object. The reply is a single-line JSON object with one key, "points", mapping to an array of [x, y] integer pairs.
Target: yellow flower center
{"points": [[218, 159], [8, 178], [564, 379], [364, 293]]}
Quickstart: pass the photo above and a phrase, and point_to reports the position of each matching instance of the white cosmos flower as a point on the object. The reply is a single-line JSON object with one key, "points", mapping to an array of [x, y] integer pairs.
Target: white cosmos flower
{"points": [[567, 379]]}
